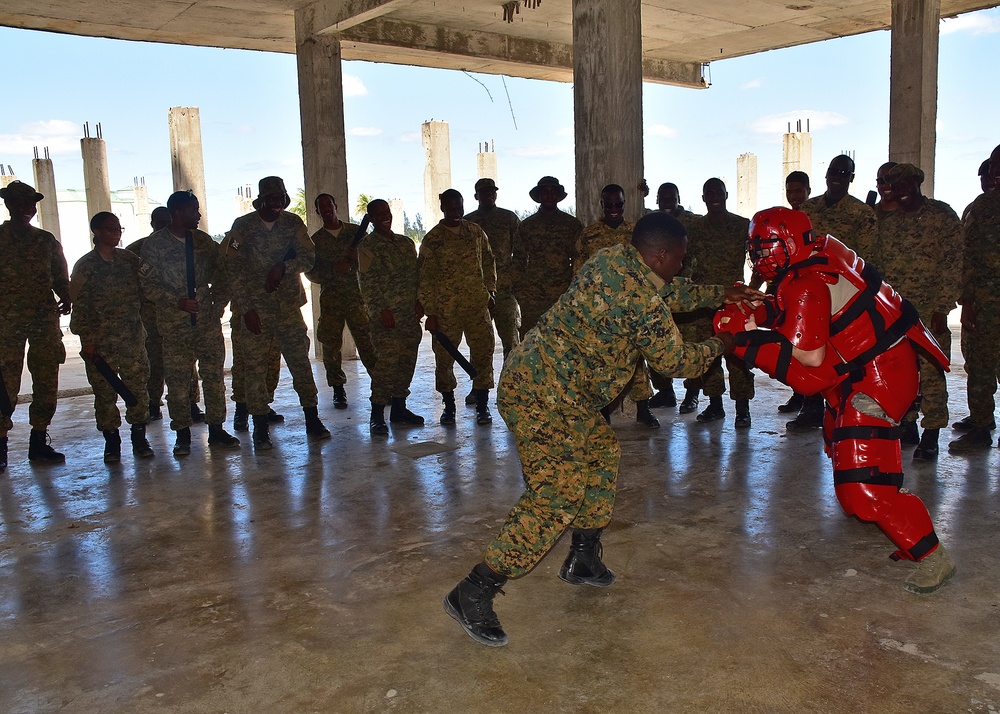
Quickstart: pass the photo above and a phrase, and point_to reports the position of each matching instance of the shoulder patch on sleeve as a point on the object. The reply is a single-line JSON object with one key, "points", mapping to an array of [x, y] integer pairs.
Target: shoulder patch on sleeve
{"points": [[145, 269], [365, 258]]}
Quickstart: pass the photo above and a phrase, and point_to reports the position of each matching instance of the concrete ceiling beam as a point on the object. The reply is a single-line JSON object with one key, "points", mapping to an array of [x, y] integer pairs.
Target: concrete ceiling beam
{"points": [[339, 15]]}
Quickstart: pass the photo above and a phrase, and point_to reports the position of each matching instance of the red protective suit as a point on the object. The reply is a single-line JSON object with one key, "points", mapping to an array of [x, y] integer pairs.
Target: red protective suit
{"points": [[868, 376]]}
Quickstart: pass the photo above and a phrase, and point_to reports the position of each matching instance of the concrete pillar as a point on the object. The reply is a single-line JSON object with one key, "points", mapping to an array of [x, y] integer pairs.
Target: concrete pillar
{"points": [[7, 177], [45, 183], [746, 185], [796, 154], [913, 75], [437, 168], [95, 172], [244, 200], [140, 199], [324, 141], [486, 162], [186, 159], [607, 103], [396, 206]]}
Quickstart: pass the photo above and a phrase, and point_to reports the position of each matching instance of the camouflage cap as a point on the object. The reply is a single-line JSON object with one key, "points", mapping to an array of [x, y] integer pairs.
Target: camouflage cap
{"points": [[19, 190], [271, 185], [547, 181], [487, 184], [904, 171]]}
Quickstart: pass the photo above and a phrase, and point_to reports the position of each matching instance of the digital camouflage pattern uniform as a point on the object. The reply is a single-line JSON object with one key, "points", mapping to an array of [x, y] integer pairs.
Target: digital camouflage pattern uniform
{"points": [[981, 291], [387, 267], [500, 226], [849, 220], [543, 252], [154, 346], [32, 268], [163, 278], [340, 302], [919, 253], [457, 276], [252, 250], [716, 255], [106, 313], [580, 357]]}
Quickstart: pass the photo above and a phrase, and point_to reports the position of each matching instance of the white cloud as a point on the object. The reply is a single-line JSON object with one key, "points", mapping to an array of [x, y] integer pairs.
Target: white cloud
{"points": [[565, 131], [409, 137], [354, 87], [539, 151], [365, 131], [752, 84], [60, 135], [662, 130], [976, 23], [778, 123]]}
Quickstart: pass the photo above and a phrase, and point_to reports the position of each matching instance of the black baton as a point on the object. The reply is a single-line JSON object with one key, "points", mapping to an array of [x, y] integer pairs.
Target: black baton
{"points": [[362, 231], [114, 380], [450, 348], [192, 285]]}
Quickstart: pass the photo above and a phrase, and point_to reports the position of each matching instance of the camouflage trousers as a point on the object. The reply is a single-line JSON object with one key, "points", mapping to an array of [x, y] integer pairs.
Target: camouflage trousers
{"points": [[334, 315], [570, 464], [477, 327], [154, 353], [236, 330], [981, 349], [532, 309], [395, 357], [45, 353], [185, 346], [132, 366], [282, 331], [507, 318], [697, 327], [933, 399]]}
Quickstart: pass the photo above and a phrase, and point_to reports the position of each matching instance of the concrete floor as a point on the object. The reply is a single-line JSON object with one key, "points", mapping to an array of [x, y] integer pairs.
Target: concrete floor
{"points": [[310, 578]]}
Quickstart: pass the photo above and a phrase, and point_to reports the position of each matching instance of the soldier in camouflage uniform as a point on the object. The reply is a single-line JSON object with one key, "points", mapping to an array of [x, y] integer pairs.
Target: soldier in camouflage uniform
{"points": [[611, 230], [887, 203], [500, 226], [918, 251], [32, 268], [191, 326], [716, 256], [387, 266], [106, 315], [543, 252], [458, 283], [981, 314], [159, 219], [340, 303], [266, 253], [581, 356]]}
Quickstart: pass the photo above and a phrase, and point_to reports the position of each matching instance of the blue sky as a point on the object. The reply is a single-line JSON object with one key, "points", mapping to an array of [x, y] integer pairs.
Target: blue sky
{"points": [[250, 125]]}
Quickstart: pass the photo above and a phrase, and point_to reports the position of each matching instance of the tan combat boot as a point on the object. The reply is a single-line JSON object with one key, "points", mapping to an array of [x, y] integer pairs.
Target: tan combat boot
{"points": [[932, 572]]}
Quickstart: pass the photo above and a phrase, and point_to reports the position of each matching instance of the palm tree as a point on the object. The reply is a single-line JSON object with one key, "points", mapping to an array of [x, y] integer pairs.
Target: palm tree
{"points": [[299, 206], [361, 208]]}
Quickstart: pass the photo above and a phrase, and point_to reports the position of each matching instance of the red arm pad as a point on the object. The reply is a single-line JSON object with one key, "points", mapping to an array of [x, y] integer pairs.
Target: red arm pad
{"points": [[771, 352], [764, 315]]}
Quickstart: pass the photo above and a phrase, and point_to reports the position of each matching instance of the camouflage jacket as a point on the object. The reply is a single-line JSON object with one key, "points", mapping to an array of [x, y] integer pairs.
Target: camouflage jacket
{"points": [[684, 216], [330, 250], [388, 271], [919, 253], [163, 276], [716, 253], [849, 220], [544, 248], [107, 299], [252, 249], [32, 268], [456, 269], [600, 235], [981, 264], [584, 350], [500, 226]]}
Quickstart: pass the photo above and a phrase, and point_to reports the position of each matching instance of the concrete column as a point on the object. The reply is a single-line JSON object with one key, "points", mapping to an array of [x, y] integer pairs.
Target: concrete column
{"points": [[607, 103], [396, 206], [324, 142], [95, 172], [746, 185], [140, 198], [913, 85], [486, 162], [796, 154], [7, 177], [244, 200], [437, 168], [45, 183], [186, 158]]}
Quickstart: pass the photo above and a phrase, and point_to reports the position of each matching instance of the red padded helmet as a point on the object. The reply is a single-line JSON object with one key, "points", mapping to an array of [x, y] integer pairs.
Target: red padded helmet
{"points": [[778, 237]]}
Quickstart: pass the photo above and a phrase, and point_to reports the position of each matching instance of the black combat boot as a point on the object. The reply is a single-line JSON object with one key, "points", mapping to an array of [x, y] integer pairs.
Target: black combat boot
{"points": [[155, 412], [314, 427], [470, 398], [182, 445], [112, 446], [140, 445], [39, 448], [376, 424], [448, 415], [966, 424], [339, 397], [664, 398], [217, 436], [583, 565], [742, 414], [810, 416], [471, 604], [975, 439], [483, 416], [793, 405], [274, 418], [714, 411], [644, 416], [690, 403], [399, 414], [197, 415], [3, 454], [261, 433], [927, 449], [909, 435], [241, 419]]}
